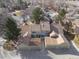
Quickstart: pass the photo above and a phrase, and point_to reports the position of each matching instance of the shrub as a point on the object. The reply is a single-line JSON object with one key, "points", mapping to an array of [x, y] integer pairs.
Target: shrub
{"points": [[9, 46]]}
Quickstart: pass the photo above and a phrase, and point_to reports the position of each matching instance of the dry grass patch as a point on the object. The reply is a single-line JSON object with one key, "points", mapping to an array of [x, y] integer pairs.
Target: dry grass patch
{"points": [[76, 40]]}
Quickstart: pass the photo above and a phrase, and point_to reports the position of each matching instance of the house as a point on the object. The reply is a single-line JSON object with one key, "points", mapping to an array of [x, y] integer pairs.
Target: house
{"points": [[19, 16], [35, 32], [43, 33], [40, 29]]}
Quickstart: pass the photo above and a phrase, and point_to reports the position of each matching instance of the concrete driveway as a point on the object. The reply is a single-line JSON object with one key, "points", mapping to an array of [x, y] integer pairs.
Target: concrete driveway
{"points": [[70, 53]]}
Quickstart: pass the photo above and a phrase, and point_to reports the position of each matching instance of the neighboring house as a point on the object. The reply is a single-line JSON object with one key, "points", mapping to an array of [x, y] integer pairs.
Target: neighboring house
{"points": [[50, 14], [42, 37], [19, 16], [35, 33]]}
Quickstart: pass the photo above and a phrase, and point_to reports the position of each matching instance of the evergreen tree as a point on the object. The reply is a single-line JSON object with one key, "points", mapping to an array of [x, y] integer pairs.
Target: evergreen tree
{"points": [[22, 4], [68, 27], [61, 16], [11, 30], [62, 12], [37, 15]]}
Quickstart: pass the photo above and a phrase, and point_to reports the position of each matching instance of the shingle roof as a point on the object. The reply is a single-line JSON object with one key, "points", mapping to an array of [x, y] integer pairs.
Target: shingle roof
{"points": [[45, 26], [35, 28], [42, 27]]}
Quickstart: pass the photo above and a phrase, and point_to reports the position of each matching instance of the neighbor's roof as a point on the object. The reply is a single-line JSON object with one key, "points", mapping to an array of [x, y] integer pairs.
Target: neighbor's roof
{"points": [[76, 3], [17, 15], [76, 22]]}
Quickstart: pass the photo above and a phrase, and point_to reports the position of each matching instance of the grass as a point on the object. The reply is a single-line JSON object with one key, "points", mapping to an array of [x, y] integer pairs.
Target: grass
{"points": [[73, 37], [76, 40]]}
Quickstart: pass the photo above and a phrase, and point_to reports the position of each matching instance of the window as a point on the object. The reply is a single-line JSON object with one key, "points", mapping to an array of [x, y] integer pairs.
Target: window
{"points": [[35, 35]]}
